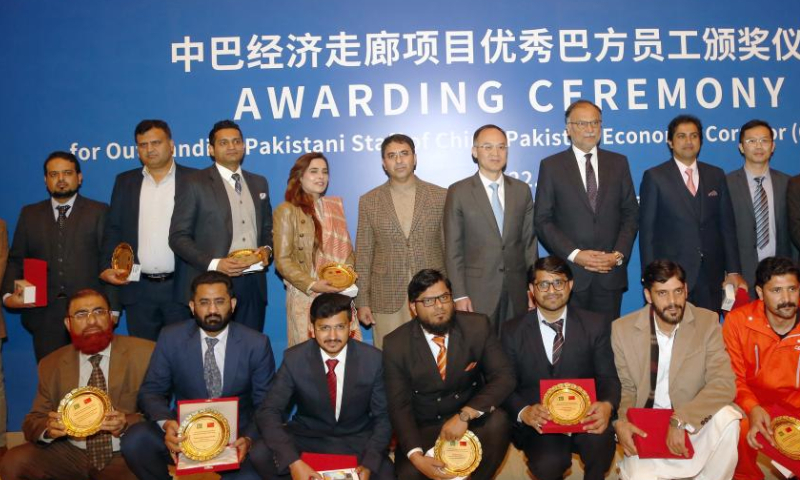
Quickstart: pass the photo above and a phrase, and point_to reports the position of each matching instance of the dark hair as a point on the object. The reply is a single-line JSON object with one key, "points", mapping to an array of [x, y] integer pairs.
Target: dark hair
{"points": [[423, 280], [773, 267], [211, 277], [661, 271], [552, 264], [146, 125], [753, 124], [680, 120], [299, 198], [87, 292], [327, 305], [222, 124], [397, 138], [64, 156], [480, 129], [576, 103]]}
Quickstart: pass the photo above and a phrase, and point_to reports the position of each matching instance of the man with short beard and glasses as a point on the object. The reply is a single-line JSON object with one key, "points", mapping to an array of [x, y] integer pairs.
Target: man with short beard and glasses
{"points": [[96, 358], [670, 355], [204, 358], [761, 338], [65, 231], [445, 372]]}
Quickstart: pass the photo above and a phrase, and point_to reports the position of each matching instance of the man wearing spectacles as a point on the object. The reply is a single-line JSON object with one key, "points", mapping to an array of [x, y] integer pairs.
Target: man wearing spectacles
{"points": [[352, 370], [489, 234], [555, 341], [758, 194], [445, 373], [399, 233], [96, 358], [586, 212]]}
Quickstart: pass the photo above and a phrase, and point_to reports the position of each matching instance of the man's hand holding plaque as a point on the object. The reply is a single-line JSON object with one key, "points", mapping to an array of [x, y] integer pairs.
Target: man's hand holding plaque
{"points": [[83, 411], [775, 430]]}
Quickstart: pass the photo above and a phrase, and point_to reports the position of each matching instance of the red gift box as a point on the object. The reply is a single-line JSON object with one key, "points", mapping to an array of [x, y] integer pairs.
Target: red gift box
{"points": [[654, 421], [772, 452], [35, 272], [327, 461], [585, 383]]}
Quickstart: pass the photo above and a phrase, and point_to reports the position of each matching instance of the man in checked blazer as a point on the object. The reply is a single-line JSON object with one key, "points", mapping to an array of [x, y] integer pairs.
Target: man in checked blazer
{"points": [[399, 234]]}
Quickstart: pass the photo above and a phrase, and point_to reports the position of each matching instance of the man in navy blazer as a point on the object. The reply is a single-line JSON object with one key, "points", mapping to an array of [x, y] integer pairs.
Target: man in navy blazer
{"points": [[180, 369], [219, 210], [685, 216], [141, 209], [336, 383]]}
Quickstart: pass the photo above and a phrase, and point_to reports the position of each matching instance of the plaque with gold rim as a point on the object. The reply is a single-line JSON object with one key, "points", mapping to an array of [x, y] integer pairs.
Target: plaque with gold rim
{"points": [[567, 403], [338, 275], [460, 457], [251, 255], [786, 433], [123, 258], [82, 411], [205, 434]]}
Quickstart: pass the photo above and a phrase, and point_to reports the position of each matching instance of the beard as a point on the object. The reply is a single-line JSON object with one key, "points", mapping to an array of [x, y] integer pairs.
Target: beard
{"points": [[214, 322], [438, 328], [93, 342], [64, 194], [673, 317]]}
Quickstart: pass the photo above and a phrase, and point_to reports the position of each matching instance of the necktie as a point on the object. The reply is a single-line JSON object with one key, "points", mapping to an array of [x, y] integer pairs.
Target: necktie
{"points": [[441, 359], [211, 370], [591, 183], [98, 446], [331, 363], [496, 207], [558, 342], [238, 179], [62, 215], [761, 210], [690, 182]]}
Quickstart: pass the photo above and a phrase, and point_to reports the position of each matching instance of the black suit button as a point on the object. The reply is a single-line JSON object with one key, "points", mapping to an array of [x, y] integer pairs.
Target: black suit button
{"points": [[474, 384], [501, 269], [438, 417], [503, 247], [60, 260], [439, 399], [455, 396]]}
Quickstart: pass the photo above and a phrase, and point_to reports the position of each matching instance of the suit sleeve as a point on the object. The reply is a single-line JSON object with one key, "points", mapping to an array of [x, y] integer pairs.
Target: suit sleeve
{"points": [[19, 247], [555, 240], [112, 236], [111, 291], [793, 210], [515, 402], [629, 213], [529, 231], [608, 383], [364, 252], [270, 421], [284, 236], [373, 455], [398, 392], [648, 213], [453, 222], [497, 371], [727, 228], [155, 393], [265, 239], [181, 229], [745, 397], [46, 401], [627, 383]]}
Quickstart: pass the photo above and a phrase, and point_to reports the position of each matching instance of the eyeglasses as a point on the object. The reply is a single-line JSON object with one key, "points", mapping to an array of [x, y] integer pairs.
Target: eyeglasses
{"points": [[757, 141], [488, 147], [97, 313], [327, 328], [584, 125], [431, 301], [544, 286], [400, 154]]}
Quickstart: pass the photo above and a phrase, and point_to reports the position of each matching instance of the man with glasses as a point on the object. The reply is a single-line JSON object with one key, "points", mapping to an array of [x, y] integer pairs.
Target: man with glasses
{"points": [[555, 341], [445, 372], [586, 211], [352, 370], [96, 358], [399, 233], [489, 234]]}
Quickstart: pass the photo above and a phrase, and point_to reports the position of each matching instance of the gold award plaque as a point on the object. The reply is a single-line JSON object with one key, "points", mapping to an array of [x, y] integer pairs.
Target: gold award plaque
{"points": [[460, 457], [122, 259], [338, 275], [251, 255], [205, 434], [786, 433], [82, 411], [567, 403]]}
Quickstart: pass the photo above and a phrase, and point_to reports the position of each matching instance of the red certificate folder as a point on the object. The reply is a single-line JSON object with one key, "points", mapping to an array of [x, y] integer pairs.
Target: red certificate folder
{"points": [[228, 459], [774, 453], [585, 383], [654, 421], [35, 272], [325, 461]]}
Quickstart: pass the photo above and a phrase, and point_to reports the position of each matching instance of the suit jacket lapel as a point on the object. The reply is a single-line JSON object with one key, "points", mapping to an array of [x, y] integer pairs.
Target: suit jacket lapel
{"points": [[510, 207], [482, 202], [740, 182], [195, 368], [116, 370], [428, 369], [69, 372], [256, 196], [683, 345], [221, 196], [420, 204], [679, 186], [72, 226], [640, 344], [604, 178], [573, 173], [456, 353], [319, 378], [388, 207], [232, 353], [351, 376]]}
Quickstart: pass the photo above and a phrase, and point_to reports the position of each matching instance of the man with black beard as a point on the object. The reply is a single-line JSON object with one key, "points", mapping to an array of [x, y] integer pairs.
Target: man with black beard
{"points": [[445, 372], [208, 357], [65, 231], [96, 358], [670, 355]]}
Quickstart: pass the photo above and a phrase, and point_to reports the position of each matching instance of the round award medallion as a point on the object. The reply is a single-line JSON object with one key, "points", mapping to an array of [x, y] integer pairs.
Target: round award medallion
{"points": [[567, 403], [338, 275], [205, 434], [122, 258], [251, 255], [82, 411], [786, 433], [460, 457]]}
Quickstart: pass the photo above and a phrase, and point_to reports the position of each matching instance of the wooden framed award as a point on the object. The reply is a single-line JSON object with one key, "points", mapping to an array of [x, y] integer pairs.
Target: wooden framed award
{"points": [[338, 275], [568, 401], [460, 457], [205, 434], [122, 258], [83, 410]]}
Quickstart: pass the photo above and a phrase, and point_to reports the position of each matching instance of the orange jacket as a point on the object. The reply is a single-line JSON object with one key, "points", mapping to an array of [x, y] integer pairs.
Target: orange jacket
{"points": [[767, 368]]}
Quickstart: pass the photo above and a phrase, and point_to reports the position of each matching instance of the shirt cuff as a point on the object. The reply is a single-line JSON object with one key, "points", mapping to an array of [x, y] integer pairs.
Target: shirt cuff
{"points": [[213, 264], [519, 415], [574, 254], [43, 439], [413, 451]]}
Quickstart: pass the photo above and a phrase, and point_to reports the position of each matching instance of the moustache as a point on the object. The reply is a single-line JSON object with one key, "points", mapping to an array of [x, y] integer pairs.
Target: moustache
{"points": [[213, 317], [787, 305]]}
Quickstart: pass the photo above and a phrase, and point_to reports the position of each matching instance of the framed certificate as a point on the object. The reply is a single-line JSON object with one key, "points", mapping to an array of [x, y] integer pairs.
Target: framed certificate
{"points": [[82, 411], [568, 401], [208, 429]]}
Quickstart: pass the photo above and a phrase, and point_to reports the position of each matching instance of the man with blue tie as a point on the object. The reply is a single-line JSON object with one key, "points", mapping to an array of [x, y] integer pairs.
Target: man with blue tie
{"points": [[208, 357]]}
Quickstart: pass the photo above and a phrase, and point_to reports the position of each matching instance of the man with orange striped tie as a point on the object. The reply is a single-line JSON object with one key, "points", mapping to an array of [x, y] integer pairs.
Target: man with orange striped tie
{"points": [[445, 372]]}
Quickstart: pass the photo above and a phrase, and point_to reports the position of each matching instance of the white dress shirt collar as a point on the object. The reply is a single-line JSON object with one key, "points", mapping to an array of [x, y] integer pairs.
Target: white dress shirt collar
{"points": [[70, 202]]}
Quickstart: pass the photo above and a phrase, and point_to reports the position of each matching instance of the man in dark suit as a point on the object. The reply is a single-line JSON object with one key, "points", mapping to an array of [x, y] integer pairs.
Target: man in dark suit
{"points": [[351, 420], [489, 236], [65, 231], [686, 216], [96, 358], [220, 210], [141, 209], [208, 357], [445, 373], [586, 211], [553, 342], [758, 196]]}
